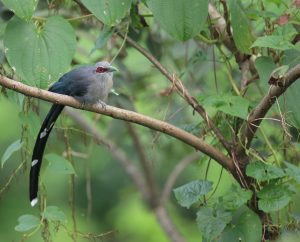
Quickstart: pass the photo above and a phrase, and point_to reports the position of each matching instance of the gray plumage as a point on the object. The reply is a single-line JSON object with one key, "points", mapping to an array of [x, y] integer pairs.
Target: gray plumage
{"points": [[89, 85]]}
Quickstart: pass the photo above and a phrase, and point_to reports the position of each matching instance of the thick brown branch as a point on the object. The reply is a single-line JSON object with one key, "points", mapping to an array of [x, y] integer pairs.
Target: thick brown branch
{"points": [[126, 115], [259, 112]]}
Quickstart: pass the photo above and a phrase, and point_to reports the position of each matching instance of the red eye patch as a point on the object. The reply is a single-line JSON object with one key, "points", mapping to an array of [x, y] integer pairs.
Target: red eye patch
{"points": [[101, 69]]}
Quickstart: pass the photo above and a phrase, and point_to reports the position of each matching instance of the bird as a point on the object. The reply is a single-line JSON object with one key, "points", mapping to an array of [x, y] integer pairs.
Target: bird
{"points": [[87, 84]]}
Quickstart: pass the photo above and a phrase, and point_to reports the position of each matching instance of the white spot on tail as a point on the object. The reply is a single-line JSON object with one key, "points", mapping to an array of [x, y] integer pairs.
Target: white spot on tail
{"points": [[34, 162], [34, 202], [51, 125], [44, 133]]}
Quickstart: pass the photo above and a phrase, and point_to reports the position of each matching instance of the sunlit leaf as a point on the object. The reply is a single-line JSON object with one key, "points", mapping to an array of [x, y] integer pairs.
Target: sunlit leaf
{"points": [[180, 18], [10, 150], [263, 171], [191, 193], [27, 222], [22, 8], [44, 53], [110, 12]]}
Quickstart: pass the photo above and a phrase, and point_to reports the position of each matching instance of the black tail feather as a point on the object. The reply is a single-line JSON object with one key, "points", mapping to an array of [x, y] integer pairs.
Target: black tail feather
{"points": [[39, 148]]}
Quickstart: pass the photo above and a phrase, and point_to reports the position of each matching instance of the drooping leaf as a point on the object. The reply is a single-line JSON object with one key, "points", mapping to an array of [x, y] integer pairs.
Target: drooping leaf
{"points": [[235, 198], [263, 171], [27, 222], [103, 38], [211, 222], [15, 146], [264, 66], [110, 12], [274, 197], [58, 164], [53, 213], [22, 8], [180, 18], [245, 226], [292, 171], [44, 52], [242, 33], [191, 193]]}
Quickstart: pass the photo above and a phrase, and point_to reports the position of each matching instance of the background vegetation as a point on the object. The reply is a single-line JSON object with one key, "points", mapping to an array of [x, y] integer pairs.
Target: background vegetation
{"points": [[223, 72]]}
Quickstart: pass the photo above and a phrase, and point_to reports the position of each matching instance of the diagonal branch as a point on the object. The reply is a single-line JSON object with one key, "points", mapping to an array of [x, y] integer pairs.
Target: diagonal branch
{"points": [[126, 115], [176, 82], [259, 112]]}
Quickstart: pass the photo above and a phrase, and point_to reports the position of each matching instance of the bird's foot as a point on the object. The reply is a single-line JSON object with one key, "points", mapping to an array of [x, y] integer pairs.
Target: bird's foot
{"points": [[102, 104]]}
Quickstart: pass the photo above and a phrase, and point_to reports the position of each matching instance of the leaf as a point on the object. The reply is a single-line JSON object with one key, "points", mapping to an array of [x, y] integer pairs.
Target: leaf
{"points": [[274, 42], [291, 103], [235, 198], [110, 12], [191, 192], [292, 171], [211, 222], [103, 38], [245, 226], [44, 52], [242, 32], [274, 197], [264, 172], [10, 150], [32, 121], [264, 66], [22, 8], [233, 105], [27, 222], [53, 213], [58, 164], [180, 18]]}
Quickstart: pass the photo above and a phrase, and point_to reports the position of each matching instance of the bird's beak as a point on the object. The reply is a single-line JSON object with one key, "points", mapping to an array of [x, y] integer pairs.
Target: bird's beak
{"points": [[112, 69]]}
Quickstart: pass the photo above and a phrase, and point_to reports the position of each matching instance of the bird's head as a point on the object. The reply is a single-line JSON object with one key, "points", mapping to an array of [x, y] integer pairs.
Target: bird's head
{"points": [[104, 67]]}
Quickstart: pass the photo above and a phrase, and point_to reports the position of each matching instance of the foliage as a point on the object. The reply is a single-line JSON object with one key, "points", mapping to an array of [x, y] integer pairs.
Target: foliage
{"points": [[206, 67]]}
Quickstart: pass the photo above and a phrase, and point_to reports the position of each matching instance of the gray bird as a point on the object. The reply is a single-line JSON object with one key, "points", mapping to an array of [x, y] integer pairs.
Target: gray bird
{"points": [[87, 84]]}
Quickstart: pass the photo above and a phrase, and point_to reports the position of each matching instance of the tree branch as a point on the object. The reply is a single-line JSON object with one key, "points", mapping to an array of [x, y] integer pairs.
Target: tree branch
{"points": [[126, 115], [259, 112]]}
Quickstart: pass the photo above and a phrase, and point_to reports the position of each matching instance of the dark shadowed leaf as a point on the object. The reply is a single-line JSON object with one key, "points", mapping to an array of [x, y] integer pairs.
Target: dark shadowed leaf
{"points": [[103, 38], [180, 18], [191, 193], [10, 150], [212, 222], [48, 53], [27, 222]]}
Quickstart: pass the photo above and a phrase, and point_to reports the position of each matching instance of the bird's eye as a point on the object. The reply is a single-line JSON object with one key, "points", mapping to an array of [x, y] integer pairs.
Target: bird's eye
{"points": [[101, 69]]}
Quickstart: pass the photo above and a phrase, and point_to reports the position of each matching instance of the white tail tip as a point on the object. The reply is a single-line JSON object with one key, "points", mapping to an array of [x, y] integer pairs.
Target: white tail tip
{"points": [[34, 202]]}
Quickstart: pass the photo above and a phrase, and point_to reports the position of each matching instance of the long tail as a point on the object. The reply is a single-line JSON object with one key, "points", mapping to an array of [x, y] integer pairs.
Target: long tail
{"points": [[38, 151]]}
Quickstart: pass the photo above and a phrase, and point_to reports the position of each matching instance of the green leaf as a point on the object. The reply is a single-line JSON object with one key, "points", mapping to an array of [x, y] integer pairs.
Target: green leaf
{"points": [[245, 226], [32, 121], [292, 171], [276, 42], [242, 32], [264, 66], [110, 12], [233, 105], [53, 213], [291, 103], [211, 222], [27, 222], [191, 193], [274, 197], [22, 8], [58, 164], [235, 198], [10, 150], [264, 172], [103, 38], [180, 18], [44, 53]]}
